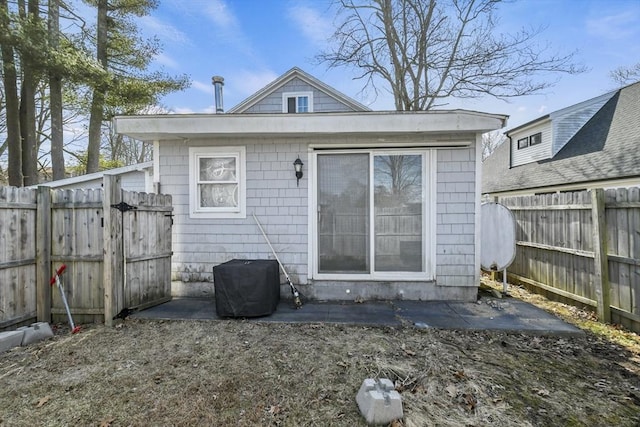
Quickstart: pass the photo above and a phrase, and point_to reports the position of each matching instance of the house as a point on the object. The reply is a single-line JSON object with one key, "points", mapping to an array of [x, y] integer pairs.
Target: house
{"points": [[593, 144], [137, 177], [386, 204]]}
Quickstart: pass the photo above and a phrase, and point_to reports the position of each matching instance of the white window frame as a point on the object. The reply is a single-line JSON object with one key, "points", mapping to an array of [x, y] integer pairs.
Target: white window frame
{"points": [[429, 191], [296, 95], [195, 154]]}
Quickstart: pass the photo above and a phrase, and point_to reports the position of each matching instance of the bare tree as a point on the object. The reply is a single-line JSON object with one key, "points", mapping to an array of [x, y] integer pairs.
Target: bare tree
{"points": [[429, 51], [626, 75], [491, 141]]}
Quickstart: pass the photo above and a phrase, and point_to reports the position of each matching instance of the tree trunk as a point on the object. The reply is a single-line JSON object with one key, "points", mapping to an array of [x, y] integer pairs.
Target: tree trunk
{"points": [[10, 80], [55, 96], [28, 112], [97, 101]]}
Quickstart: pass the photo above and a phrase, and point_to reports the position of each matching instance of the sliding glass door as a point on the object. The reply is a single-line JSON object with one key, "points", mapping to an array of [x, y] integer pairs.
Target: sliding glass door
{"points": [[343, 213], [397, 207], [371, 212]]}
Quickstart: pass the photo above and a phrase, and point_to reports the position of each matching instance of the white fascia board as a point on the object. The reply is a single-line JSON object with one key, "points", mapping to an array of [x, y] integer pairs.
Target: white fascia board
{"points": [[524, 129], [148, 128]]}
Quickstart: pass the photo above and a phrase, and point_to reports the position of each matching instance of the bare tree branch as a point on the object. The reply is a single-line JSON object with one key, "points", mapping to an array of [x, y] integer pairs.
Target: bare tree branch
{"points": [[626, 75], [429, 51]]}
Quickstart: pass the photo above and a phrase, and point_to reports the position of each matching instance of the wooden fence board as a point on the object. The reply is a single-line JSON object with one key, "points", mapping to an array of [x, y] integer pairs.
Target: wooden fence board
{"points": [[77, 238], [556, 246], [18, 301]]}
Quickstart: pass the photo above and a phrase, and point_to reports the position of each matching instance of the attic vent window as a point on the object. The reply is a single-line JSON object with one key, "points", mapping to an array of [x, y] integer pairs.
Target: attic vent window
{"points": [[297, 102]]}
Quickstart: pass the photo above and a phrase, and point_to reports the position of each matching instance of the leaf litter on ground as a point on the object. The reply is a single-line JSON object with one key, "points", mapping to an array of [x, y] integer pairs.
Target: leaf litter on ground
{"points": [[243, 373]]}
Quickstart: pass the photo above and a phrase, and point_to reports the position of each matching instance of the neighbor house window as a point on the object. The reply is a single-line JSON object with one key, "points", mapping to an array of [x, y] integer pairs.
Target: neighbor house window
{"points": [[523, 143], [297, 102], [374, 214], [217, 182], [535, 139]]}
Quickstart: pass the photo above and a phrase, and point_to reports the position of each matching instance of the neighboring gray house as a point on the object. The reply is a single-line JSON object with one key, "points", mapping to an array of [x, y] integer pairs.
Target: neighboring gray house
{"points": [[387, 207], [138, 177], [593, 144]]}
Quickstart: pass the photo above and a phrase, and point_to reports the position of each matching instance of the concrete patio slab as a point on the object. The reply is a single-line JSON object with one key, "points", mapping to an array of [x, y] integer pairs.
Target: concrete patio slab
{"points": [[499, 314]]}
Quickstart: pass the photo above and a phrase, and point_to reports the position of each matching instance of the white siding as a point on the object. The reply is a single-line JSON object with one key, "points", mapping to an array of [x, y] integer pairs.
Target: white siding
{"points": [[536, 152], [455, 217]]}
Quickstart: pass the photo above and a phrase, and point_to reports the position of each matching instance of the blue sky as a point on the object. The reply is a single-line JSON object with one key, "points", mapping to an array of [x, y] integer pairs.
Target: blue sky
{"points": [[252, 42]]}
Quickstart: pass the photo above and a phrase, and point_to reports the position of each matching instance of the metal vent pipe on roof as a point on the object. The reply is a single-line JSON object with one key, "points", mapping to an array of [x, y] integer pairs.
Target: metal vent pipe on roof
{"points": [[218, 82]]}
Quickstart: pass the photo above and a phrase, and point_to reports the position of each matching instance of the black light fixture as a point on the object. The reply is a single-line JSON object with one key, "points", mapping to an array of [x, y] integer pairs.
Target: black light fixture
{"points": [[298, 167]]}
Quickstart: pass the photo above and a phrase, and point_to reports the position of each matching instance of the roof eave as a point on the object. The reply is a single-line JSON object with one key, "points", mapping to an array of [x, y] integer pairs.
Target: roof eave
{"points": [[151, 128]]}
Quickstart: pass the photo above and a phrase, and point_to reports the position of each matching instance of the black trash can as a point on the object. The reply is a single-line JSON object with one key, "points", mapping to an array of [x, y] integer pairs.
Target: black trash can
{"points": [[246, 288]]}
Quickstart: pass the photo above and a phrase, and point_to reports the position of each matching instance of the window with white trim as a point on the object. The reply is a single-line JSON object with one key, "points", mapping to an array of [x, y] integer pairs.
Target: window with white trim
{"points": [[297, 102], [217, 180]]}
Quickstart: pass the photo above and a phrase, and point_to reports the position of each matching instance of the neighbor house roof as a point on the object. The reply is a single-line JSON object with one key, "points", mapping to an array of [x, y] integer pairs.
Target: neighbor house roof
{"points": [[606, 147], [94, 180], [294, 73]]}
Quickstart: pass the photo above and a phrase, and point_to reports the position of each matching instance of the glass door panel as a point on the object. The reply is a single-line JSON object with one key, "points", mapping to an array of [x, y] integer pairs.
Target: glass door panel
{"points": [[397, 210], [343, 213]]}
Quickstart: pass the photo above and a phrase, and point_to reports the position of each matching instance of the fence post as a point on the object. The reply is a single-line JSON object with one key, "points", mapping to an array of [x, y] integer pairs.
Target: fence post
{"points": [[43, 254], [601, 262], [113, 262]]}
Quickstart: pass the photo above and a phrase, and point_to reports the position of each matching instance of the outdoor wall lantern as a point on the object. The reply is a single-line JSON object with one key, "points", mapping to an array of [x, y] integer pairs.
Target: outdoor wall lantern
{"points": [[298, 167]]}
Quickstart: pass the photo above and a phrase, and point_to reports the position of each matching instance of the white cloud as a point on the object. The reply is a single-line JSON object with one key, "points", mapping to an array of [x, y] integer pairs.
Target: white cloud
{"points": [[182, 110], [315, 26], [167, 61], [614, 27], [542, 109], [219, 13], [202, 87], [246, 83], [162, 29]]}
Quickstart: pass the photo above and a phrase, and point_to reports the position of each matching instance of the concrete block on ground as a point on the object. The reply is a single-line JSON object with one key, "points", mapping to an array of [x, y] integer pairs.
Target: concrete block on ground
{"points": [[10, 339], [378, 401], [36, 332]]}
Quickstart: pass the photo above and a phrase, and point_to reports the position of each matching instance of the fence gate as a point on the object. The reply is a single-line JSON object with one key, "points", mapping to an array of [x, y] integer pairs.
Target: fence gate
{"points": [[146, 248]]}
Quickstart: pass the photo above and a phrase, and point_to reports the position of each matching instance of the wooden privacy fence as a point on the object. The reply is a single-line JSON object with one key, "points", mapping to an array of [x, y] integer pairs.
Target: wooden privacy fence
{"points": [[583, 246], [116, 246]]}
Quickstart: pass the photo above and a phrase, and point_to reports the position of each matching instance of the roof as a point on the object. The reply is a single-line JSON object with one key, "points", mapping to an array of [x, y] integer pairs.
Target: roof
{"points": [[293, 73], [441, 125], [606, 147], [66, 182]]}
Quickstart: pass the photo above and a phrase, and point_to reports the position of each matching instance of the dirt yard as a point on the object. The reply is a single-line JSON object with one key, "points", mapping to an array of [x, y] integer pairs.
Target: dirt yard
{"points": [[223, 373]]}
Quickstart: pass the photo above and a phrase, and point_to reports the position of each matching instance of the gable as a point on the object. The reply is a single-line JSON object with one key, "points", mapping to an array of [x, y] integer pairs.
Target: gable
{"points": [[273, 97]]}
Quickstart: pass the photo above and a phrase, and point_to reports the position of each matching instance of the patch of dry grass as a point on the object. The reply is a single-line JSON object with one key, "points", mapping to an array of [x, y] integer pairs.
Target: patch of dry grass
{"points": [[246, 374]]}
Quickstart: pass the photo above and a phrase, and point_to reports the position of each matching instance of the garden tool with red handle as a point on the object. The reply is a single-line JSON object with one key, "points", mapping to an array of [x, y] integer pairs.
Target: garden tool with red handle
{"points": [[56, 279]]}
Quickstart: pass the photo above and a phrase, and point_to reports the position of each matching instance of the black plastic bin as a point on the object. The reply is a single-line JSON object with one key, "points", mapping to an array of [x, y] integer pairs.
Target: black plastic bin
{"points": [[246, 288]]}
